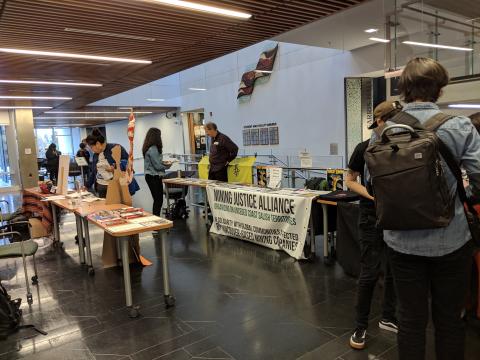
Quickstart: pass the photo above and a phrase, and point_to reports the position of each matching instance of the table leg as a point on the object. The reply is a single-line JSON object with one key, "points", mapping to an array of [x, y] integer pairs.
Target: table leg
{"points": [[81, 250], [312, 237], [207, 221], [124, 242], [91, 271], [167, 200], [169, 298], [325, 230], [56, 230]]}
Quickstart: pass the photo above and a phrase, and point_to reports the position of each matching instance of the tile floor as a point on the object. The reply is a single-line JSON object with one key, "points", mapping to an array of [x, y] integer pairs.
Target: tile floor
{"points": [[234, 301]]}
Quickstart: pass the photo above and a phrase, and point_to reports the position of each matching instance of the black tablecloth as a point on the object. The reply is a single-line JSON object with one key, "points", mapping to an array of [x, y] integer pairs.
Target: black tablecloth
{"points": [[347, 246]]}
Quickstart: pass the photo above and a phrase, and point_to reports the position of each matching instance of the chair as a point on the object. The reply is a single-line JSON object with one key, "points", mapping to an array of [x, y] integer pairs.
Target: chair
{"points": [[175, 192], [22, 248]]}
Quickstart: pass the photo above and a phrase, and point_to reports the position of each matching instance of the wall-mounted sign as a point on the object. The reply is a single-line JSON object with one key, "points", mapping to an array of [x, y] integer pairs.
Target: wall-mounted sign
{"points": [[260, 135]]}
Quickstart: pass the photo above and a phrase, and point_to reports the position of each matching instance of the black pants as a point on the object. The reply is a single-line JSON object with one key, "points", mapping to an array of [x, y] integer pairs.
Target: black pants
{"points": [[220, 175], [156, 188], [373, 256], [445, 278]]}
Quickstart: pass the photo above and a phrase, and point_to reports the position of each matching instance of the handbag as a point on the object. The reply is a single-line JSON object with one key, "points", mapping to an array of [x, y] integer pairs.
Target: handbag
{"points": [[470, 212]]}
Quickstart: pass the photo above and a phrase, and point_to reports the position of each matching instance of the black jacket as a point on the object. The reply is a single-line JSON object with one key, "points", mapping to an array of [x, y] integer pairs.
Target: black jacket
{"points": [[222, 150]]}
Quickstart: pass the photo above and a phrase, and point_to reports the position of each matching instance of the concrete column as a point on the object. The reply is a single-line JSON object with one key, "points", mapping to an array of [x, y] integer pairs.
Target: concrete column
{"points": [[27, 150]]}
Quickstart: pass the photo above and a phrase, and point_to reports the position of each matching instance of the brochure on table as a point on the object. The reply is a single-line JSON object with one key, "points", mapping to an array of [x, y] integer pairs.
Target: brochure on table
{"points": [[126, 219]]}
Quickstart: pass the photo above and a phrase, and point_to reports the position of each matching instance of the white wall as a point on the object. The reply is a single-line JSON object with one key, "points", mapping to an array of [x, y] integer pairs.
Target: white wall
{"points": [[304, 96], [172, 138]]}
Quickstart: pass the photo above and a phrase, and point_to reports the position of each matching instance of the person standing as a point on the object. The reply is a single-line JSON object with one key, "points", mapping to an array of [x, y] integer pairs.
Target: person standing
{"points": [[431, 267], [154, 167], [372, 246], [103, 163], [84, 153], [53, 156], [222, 152]]}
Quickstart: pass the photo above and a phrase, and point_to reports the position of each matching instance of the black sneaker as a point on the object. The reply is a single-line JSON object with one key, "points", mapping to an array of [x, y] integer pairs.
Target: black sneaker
{"points": [[357, 340], [389, 325]]}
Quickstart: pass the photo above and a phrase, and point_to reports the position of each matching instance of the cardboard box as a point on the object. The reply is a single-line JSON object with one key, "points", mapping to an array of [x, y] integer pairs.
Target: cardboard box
{"points": [[36, 228]]}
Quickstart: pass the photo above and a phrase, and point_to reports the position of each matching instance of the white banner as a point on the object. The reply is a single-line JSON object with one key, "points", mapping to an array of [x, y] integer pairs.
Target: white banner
{"points": [[275, 219]]}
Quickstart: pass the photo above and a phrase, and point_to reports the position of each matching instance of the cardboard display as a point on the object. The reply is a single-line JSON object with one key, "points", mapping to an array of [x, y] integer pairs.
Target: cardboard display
{"points": [[62, 178]]}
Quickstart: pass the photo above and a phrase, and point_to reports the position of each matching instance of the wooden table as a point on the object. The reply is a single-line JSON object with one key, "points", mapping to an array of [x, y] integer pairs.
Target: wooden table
{"points": [[124, 237]]}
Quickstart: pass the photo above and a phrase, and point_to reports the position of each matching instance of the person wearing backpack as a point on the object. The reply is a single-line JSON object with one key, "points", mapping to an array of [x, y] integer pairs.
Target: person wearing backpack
{"points": [[372, 246], [425, 227]]}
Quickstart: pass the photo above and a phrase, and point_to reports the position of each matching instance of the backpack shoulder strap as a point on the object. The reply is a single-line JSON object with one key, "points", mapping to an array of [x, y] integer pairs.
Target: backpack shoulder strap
{"points": [[436, 121], [406, 119]]}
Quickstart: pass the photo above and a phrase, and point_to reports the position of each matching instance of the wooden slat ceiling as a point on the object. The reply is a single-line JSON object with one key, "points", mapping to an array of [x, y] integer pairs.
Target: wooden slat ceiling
{"points": [[173, 38]]}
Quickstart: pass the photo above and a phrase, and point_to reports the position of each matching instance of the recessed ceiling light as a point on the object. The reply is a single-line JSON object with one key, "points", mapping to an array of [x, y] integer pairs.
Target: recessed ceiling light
{"points": [[379, 40], [61, 83], [24, 107], [75, 56], [437, 46], [197, 89], [205, 8], [155, 99], [369, 31], [35, 97], [465, 106], [97, 112]]}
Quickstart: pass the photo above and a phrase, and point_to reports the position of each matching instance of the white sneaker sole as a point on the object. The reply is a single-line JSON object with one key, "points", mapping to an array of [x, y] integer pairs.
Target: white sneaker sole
{"points": [[387, 328]]}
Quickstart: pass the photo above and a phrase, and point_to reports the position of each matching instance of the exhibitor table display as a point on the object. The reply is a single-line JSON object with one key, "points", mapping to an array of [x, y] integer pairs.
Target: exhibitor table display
{"points": [[277, 219]]}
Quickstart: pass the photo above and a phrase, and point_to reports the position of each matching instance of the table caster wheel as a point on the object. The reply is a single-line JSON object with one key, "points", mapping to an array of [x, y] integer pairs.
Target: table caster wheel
{"points": [[91, 271], [169, 301], [29, 299], [133, 312], [35, 280]]}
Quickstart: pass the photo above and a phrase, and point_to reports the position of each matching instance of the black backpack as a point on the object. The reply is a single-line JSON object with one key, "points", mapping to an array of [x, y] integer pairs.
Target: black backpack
{"points": [[407, 176], [11, 315]]}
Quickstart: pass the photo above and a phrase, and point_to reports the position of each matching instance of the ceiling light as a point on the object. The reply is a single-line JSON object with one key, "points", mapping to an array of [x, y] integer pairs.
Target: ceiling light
{"points": [[155, 99], [61, 83], [197, 89], [98, 112], [77, 117], [369, 31], [24, 107], [75, 56], [35, 97], [465, 106], [437, 46], [393, 73], [205, 8], [379, 40]]}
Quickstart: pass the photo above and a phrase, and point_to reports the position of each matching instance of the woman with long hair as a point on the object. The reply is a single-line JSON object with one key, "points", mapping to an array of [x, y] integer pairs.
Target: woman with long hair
{"points": [[52, 156], [154, 167], [103, 163]]}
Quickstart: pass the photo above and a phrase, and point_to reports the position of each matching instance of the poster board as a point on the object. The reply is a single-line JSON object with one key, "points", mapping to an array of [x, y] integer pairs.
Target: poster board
{"points": [[62, 178]]}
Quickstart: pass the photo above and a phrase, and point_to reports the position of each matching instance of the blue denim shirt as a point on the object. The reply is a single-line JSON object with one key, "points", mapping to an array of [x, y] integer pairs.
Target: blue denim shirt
{"points": [[152, 162], [463, 141]]}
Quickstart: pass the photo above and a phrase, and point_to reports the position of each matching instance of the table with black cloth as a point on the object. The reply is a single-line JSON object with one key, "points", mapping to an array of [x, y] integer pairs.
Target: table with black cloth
{"points": [[348, 244]]}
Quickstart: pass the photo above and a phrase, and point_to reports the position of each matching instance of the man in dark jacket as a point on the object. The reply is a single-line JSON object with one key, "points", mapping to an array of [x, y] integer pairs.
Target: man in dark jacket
{"points": [[222, 151]]}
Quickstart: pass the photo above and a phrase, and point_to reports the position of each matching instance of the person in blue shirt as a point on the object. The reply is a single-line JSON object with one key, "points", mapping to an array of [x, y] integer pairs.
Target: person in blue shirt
{"points": [[154, 167], [102, 164], [434, 263]]}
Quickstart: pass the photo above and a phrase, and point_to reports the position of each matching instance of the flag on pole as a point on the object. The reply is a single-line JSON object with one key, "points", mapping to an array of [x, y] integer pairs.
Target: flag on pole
{"points": [[130, 134]]}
